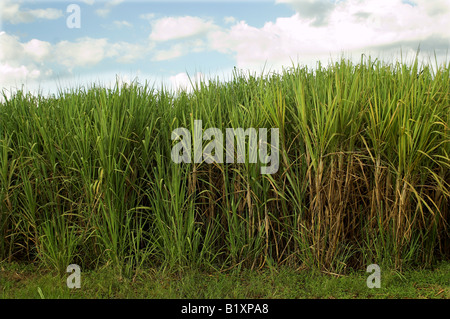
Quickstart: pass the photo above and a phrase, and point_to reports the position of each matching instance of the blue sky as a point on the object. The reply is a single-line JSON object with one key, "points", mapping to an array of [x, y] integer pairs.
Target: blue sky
{"points": [[168, 42]]}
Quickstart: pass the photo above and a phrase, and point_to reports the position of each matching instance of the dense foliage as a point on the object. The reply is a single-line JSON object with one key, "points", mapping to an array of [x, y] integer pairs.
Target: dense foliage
{"points": [[86, 176]]}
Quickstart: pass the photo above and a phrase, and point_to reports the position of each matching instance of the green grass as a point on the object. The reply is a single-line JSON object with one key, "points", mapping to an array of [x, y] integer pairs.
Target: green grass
{"points": [[28, 282], [86, 175]]}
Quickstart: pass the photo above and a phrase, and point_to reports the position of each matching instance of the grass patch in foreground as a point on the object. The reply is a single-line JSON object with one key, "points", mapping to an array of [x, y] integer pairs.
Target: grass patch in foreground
{"points": [[28, 282]]}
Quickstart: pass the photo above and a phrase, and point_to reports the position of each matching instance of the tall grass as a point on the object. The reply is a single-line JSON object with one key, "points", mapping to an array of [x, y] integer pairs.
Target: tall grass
{"points": [[86, 176]]}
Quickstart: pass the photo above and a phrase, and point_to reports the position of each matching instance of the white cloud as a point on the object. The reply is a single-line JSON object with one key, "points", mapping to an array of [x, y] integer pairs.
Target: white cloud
{"points": [[37, 50], [15, 52], [147, 16], [11, 75], [180, 49], [125, 52], [173, 28], [316, 10], [435, 7], [22, 62], [229, 20], [254, 46], [352, 26], [173, 52], [11, 47], [122, 24], [87, 52], [103, 12], [182, 81], [38, 60], [191, 31], [83, 52], [13, 13]]}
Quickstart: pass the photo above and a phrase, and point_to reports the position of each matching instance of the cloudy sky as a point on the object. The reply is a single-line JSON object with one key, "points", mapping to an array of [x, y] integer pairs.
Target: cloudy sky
{"points": [[44, 45]]}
